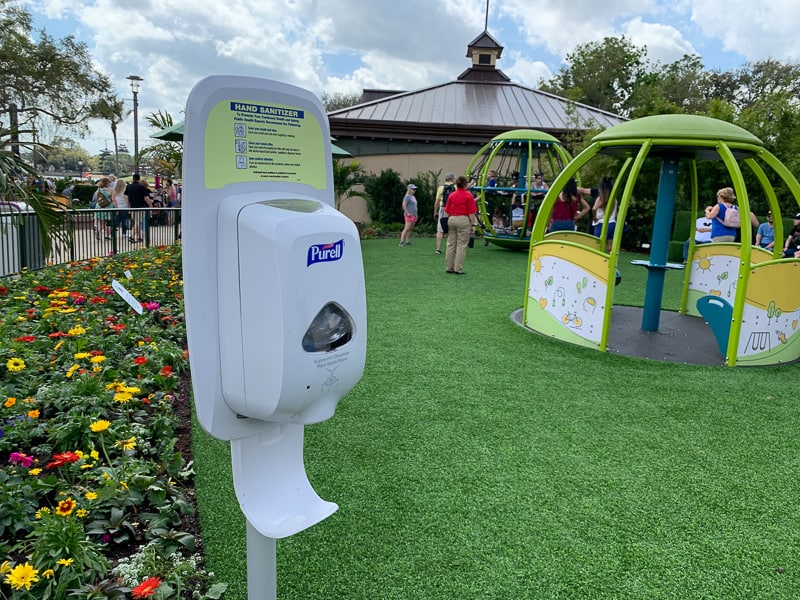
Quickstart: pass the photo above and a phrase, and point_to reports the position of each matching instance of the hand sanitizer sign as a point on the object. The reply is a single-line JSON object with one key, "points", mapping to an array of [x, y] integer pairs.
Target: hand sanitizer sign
{"points": [[274, 287]]}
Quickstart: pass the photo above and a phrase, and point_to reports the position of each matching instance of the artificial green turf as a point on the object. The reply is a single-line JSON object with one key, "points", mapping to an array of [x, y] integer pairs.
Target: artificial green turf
{"points": [[478, 460]]}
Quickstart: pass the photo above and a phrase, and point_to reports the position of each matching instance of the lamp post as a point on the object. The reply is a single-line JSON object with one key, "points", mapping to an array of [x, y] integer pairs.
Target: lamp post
{"points": [[80, 168], [135, 83]]}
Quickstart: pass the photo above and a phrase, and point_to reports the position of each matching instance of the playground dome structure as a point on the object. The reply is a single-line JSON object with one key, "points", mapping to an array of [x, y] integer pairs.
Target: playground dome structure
{"points": [[516, 156], [742, 297]]}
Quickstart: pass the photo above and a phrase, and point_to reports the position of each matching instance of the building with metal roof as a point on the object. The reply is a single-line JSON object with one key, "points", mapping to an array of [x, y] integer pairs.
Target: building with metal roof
{"points": [[443, 126]]}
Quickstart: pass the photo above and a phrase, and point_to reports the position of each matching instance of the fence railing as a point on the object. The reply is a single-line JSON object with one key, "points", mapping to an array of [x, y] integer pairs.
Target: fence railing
{"points": [[92, 233]]}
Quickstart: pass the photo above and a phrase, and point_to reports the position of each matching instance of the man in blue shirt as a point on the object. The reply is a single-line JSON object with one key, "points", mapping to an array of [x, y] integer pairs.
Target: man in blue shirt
{"points": [[765, 236]]}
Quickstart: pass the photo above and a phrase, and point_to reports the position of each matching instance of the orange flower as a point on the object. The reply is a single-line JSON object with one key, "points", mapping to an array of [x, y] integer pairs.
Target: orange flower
{"points": [[147, 588]]}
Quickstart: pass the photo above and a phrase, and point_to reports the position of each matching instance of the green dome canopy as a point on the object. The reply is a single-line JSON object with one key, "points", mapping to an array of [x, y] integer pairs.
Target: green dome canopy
{"points": [[524, 135], [683, 127]]}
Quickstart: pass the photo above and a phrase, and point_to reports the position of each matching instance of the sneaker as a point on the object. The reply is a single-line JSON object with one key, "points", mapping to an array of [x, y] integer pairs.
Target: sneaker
{"points": [[438, 252], [401, 244]]}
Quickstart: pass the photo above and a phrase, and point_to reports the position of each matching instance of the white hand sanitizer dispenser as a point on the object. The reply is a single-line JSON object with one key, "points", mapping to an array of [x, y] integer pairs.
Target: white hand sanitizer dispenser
{"points": [[274, 288]]}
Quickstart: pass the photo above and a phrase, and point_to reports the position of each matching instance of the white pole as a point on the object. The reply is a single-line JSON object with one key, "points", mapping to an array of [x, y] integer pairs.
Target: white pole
{"points": [[262, 568]]}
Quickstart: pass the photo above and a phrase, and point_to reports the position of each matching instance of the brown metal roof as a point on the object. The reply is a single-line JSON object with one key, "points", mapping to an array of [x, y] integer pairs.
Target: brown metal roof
{"points": [[465, 110]]}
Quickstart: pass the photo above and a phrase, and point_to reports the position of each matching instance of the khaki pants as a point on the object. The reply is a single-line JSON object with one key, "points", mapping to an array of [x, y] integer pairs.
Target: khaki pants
{"points": [[457, 240]]}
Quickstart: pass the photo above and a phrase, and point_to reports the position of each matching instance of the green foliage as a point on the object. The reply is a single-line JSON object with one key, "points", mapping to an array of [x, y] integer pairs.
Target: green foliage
{"points": [[384, 193], [166, 156], [346, 176]]}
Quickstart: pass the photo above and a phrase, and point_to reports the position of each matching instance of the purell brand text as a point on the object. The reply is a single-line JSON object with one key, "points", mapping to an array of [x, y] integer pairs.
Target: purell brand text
{"points": [[325, 252]]}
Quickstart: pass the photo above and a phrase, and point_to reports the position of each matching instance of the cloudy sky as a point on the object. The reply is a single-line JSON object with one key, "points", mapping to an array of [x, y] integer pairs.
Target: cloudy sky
{"points": [[348, 45]]}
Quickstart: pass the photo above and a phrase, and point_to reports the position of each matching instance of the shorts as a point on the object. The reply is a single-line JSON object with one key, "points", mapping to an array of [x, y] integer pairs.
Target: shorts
{"points": [[441, 225], [598, 229], [565, 225], [411, 218], [724, 238]]}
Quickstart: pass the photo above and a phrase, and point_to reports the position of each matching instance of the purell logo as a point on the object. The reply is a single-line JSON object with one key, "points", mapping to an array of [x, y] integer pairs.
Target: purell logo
{"points": [[325, 252]]}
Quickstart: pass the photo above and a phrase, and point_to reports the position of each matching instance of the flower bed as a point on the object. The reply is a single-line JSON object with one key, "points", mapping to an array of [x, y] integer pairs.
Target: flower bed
{"points": [[93, 491]]}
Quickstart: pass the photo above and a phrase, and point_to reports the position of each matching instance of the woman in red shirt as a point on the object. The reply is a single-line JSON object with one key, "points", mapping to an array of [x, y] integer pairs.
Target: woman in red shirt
{"points": [[566, 209], [462, 209]]}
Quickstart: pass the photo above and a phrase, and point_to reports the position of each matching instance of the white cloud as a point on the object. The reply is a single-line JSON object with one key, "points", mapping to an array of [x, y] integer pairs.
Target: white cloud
{"points": [[756, 30], [664, 43]]}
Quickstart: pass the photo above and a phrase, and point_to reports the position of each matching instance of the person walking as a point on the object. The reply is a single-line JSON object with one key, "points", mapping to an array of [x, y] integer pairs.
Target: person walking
{"points": [[462, 209], [409, 214], [139, 196], [442, 194], [120, 201]]}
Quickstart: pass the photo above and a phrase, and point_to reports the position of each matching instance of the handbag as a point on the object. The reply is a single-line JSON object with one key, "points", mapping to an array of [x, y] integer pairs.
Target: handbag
{"points": [[103, 201]]}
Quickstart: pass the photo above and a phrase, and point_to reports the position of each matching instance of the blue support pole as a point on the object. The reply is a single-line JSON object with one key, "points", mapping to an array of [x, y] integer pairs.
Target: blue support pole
{"points": [[659, 246]]}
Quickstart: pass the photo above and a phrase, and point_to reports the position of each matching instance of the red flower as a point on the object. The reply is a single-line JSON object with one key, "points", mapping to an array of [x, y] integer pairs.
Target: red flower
{"points": [[25, 338], [40, 289], [147, 588], [166, 371], [59, 460], [97, 300], [139, 360], [57, 334], [3, 290], [96, 352], [117, 327]]}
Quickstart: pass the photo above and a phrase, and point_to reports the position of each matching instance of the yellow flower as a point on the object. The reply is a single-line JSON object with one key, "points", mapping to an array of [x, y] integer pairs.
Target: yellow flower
{"points": [[68, 311], [81, 355], [66, 561], [5, 568], [91, 496], [81, 512], [48, 573], [94, 454], [35, 471], [58, 345], [42, 511], [10, 402], [77, 330], [15, 365], [33, 414], [97, 359], [123, 397], [123, 484], [65, 507], [72, 370], [128, 444], [22, 576], [99, 425]]}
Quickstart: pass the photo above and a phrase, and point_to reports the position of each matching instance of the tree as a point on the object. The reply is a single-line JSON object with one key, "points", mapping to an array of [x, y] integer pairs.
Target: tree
{"points": [[345, 177], [14, 185], [339, 100], [166, 156], [602, 74], [43, 77], [111, 108]]}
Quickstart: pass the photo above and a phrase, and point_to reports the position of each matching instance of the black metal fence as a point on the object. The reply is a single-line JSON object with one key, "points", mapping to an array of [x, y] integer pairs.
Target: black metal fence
{"points": [[91, 233]]}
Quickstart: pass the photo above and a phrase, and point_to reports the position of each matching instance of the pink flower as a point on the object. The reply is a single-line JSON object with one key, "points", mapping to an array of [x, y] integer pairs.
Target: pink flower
{"points": [[151, 306], [18, 458]]}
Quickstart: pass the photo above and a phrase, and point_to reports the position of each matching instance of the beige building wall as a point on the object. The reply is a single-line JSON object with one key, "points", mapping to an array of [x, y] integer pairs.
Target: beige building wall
{"points": [[408, 165]]}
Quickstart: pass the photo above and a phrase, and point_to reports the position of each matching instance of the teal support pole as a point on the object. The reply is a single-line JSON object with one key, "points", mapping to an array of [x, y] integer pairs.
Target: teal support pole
{"points": [[659, 246]]}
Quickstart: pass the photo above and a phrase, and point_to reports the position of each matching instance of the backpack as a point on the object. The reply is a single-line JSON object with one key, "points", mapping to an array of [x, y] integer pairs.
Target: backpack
{"points": [[731, 218], [447, 189]]}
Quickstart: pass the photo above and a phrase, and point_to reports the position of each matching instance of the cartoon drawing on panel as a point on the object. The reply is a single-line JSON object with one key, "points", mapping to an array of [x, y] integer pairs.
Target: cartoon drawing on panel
{"points": [[759, 341], [572, 320], [589, 305], [773, 312]]}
